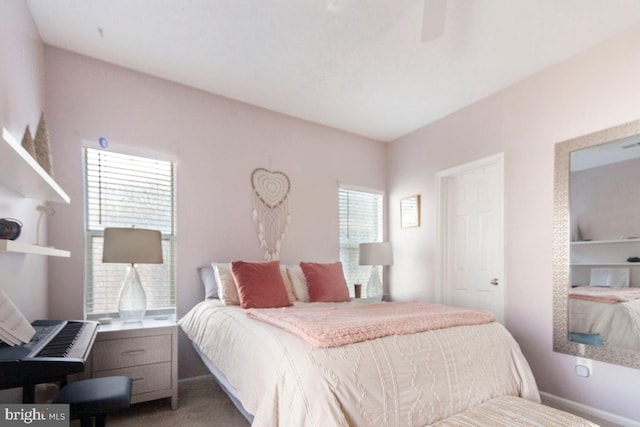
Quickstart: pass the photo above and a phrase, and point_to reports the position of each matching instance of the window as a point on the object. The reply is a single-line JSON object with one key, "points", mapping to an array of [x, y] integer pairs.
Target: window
{"points": [[361, 221], [125, 191]]}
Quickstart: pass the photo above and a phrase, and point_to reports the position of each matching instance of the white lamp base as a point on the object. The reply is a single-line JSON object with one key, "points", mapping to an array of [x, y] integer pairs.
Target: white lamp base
{"points": [[133, 301]]}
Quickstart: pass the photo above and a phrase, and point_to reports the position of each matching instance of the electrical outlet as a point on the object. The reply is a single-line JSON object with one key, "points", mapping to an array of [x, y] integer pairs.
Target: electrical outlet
{"points": [[584, 367]]}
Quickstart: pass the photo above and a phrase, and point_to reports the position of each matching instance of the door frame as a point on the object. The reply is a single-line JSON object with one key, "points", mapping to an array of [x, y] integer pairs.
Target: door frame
{"points": [[442, 222]]}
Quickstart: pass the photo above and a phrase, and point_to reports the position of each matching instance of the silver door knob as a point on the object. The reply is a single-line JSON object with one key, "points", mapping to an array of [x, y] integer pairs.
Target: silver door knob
{"points": [[495, 282]]}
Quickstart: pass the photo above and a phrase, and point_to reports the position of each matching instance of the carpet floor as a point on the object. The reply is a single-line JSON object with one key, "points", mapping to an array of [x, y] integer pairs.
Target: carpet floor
{"points": [[201, 402]]}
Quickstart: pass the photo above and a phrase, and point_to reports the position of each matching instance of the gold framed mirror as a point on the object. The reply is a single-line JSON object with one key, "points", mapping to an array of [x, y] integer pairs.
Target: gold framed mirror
{"points": [[571, 232]]}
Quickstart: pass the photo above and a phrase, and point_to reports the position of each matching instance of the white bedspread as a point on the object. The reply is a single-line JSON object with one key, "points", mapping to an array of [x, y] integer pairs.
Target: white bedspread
{"points": [[405, 380], [618, 324], [510, 411]]}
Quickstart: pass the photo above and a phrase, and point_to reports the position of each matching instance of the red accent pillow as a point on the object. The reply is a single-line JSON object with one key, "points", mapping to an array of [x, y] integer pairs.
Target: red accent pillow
{"points": [[259, 284], [325, 281]]}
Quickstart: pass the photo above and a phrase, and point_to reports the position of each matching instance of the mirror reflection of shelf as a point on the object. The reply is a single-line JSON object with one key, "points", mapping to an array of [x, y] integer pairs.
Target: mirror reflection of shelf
{"points": [[26, 248], [604, 242], [587, 264], [22, 173], [606, 253]]}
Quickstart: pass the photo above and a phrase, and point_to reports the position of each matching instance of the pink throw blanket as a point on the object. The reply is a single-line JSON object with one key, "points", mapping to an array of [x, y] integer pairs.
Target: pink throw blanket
{"points": [[604, 295], [333, 326]]}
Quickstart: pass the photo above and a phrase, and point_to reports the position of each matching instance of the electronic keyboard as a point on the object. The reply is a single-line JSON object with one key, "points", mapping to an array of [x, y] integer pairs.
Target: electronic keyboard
{"points": [[59, 348]]}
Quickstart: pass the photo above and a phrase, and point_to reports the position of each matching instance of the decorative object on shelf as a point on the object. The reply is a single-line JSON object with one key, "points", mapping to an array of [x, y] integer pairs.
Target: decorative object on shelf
{"points": [[410, 211], [10, 228], [28, 144], [271, 209], [24, 175], [633, 259], [577, 234], [44, 210], [43, 146], [132, 246], [375, 254]]}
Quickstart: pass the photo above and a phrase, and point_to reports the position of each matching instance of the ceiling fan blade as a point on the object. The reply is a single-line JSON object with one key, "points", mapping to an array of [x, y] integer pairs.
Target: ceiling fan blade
{"points": [[433, 17]]}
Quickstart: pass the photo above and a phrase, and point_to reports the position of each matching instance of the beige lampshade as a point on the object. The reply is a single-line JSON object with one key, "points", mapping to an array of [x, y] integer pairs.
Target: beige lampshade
{"points": [[132, 246], [378, 253]]}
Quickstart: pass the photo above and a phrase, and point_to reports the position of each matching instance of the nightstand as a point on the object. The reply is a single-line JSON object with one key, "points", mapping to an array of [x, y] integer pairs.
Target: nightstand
{"points": [[146, 351]]}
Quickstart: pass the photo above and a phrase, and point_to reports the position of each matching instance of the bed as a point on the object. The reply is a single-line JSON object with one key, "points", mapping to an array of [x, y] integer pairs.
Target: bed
{"points": [[278, 378], [605, 316]]}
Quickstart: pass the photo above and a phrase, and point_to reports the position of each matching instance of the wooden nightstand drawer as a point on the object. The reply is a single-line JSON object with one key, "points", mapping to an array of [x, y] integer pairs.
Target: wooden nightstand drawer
{"points": [[146, 378], [145, 351], [122, 353]]}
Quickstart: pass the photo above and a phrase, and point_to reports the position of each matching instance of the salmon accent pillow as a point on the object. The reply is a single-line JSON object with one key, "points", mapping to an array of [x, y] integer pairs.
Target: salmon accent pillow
{"points": [[325, 282], [260, 284]]}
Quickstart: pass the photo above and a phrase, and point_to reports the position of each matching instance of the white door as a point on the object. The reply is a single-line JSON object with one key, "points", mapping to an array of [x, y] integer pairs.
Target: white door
{"points": [[472, 235]]}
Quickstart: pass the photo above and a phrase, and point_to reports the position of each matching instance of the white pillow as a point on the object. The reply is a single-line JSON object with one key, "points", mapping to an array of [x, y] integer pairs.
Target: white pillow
{"points": [[227, 290], [287, 284], [299, 283], [610, 277], [208, 277]]}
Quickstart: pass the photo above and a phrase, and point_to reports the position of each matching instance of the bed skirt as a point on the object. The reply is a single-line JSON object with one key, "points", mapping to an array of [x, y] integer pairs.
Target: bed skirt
{"points": [[224, 384]]}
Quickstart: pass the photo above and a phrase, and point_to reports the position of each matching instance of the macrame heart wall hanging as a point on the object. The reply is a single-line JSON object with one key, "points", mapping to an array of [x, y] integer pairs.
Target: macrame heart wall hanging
{"points": [[270, 209]]}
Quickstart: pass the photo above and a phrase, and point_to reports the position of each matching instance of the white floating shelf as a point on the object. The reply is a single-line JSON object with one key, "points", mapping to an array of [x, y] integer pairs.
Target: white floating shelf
{"points": [[26, 248], [22, 173]]}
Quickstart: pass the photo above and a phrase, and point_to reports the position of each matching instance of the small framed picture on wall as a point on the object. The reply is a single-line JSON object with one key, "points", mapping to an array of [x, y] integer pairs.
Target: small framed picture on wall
{"points": [[410, 211]]}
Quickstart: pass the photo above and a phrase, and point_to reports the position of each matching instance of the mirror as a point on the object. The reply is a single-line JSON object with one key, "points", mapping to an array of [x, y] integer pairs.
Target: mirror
{"points": [[596, 248]]}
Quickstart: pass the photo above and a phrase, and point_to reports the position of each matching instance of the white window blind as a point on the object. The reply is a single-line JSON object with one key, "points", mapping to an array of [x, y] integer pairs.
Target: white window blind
{"points": [[125, 191], [361, 221]]}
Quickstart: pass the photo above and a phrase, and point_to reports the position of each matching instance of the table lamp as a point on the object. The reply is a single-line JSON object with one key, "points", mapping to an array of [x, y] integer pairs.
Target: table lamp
{"points": [[374, 254], [132, 246]]}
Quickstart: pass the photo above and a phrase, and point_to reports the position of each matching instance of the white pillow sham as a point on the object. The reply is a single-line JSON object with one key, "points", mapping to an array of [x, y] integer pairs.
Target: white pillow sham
{"points": [[208, 277], [227, 290], [287, 283], [298, 282]]}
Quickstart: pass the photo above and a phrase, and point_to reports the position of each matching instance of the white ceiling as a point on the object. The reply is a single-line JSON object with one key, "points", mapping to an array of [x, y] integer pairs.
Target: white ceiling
{"points": [[356, 65]]}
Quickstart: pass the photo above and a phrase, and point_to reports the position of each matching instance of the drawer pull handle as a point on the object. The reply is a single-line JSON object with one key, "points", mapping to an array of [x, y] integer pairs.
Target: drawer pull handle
{"points": [[133, 352], [138, 379]]}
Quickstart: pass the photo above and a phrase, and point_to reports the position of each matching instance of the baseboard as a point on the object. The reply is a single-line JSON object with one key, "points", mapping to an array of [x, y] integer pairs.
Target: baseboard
{"points": [[571, 406]]}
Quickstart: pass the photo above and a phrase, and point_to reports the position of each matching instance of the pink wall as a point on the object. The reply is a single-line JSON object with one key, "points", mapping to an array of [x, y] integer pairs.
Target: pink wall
{"points": [[592, 91], [216, 143], [24, 277], [602, 201]]}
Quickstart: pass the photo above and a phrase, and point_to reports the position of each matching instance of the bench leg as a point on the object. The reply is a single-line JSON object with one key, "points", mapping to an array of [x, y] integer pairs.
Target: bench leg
{"points": [[101, 420]]}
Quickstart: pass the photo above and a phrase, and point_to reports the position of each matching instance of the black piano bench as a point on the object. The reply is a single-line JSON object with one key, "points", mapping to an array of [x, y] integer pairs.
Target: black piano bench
{"points": [[95, 397]]}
